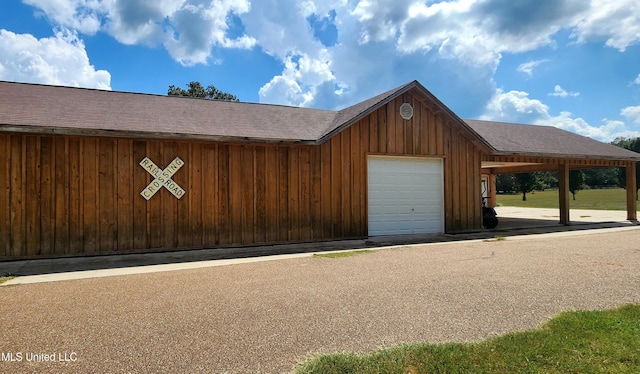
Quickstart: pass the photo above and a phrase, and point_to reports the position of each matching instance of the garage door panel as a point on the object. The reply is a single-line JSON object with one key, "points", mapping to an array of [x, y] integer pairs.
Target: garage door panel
{"points": [[405, 195]]}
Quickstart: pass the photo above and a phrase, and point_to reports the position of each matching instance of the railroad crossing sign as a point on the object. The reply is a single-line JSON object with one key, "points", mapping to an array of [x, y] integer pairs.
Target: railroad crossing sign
{"points": [[162, 178]]}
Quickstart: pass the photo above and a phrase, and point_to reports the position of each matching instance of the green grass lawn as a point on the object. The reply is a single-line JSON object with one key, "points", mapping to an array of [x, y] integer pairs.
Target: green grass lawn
{"points": [[573, 342], [605, 199]]}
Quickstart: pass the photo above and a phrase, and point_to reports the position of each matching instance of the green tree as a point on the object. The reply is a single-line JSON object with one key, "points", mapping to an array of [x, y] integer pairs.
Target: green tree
{"points": [[601, 178], [195, 89], [505, 183], [632, 145], [525, 182], [576, 181]]}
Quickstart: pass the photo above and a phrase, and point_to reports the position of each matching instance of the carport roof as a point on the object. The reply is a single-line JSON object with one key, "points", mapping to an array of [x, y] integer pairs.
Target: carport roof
{"points": [[533, 140]]}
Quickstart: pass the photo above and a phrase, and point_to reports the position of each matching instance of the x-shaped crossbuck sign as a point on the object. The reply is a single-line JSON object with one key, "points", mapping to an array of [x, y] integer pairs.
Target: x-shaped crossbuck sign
{"points": [[162, 178]]}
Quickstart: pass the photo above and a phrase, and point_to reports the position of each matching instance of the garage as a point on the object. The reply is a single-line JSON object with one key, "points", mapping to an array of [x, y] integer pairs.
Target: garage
{"points": [[405, 195]]}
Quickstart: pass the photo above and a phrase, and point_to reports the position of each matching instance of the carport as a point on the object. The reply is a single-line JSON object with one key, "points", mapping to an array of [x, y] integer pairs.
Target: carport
{"points": [[527, 148]]}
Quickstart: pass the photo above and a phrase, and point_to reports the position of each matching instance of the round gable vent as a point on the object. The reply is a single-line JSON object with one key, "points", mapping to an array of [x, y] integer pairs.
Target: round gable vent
{"points": [[406, 111]]}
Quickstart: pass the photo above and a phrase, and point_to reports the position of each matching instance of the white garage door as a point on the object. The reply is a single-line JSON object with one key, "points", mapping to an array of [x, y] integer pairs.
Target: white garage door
{"points": [[405, 195]]}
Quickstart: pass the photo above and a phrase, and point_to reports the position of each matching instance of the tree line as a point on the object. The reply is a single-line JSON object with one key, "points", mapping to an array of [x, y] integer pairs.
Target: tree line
{"points": [[578, 179]]}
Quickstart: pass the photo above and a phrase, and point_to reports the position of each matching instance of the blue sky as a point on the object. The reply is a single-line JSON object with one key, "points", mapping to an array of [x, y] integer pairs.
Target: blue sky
{"points": [[574, 64]]}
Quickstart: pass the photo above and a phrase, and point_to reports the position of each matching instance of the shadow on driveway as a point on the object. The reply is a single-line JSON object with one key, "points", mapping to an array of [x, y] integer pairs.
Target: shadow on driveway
{"points": [[508, 226]]}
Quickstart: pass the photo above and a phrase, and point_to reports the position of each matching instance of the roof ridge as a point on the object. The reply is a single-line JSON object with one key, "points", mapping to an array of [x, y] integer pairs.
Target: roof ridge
{"points": [[346, 116]]}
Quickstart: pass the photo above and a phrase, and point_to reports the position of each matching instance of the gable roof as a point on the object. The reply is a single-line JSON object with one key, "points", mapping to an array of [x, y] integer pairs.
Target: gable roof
{"points": [[533, 140]]}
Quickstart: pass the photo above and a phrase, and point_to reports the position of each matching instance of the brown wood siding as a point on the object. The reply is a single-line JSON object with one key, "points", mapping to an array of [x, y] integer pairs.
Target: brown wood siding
{"points": [[81, 195]]}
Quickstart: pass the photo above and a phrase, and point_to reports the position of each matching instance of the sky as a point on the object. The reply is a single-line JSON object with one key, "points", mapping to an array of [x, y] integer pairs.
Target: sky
{"points": [[573, 64]]}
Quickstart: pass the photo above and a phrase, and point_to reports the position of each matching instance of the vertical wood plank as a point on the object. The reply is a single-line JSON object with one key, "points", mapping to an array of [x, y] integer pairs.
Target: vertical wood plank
{"points": [[184, 215], [235, 191], [336, 186], [434, 135], [33, 181], [417, 127], [374, 135], [61, 195], [448, 187], [283, 194], [315, 161], [441, 139], [294, 193], [76, 196], [426, 120], [271, 191], [382, 130], [225, 200], [391, 128], [124, 193], [357, 154], [17, 198], [140, 179], [260, 215], [248, 193], [347, 183], [5, 194], [215, 180], [46, 191], [466, 179], [106, 195], [89, 183], [196, 195], [305, 211], [326, 189], [33, 197]]}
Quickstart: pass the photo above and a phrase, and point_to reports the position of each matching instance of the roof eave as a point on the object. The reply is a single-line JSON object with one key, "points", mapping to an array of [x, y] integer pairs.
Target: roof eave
{"points": [[564, 156], [146, 135]]}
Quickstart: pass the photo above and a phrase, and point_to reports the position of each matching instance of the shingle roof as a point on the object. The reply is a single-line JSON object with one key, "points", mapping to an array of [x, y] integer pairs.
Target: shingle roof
{"points": [[532, 140], [68, 110], [52, 109], [74, 110]]}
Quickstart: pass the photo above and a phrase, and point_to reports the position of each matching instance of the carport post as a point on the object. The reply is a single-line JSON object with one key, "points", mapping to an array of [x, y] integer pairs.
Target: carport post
{"points": [[563, 193], [632, 204]]}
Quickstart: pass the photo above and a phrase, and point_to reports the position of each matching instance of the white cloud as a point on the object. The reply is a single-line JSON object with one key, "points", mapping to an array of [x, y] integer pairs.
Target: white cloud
{"points": [[288, 37], [516, 106], [59, 60], [558, 91], [298, 82], [632, 113], [81, 15], [616, 22], [637, 81], [196, 29], [527, 67], [189, 29]]}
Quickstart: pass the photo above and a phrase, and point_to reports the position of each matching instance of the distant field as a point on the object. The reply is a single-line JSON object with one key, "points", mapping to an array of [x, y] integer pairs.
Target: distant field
{"points": [[606, 199]]}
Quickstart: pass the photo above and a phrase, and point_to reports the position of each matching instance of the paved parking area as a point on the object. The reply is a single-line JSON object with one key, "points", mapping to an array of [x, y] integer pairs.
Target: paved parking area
{"points": [[265, 316]]}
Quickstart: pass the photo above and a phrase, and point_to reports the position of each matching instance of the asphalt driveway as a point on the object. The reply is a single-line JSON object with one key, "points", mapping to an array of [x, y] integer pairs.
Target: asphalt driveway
{"points": [[264, 317]]}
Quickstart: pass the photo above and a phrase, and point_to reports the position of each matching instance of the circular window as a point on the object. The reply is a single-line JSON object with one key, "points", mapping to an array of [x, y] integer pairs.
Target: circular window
{"points": [[406, 111]]}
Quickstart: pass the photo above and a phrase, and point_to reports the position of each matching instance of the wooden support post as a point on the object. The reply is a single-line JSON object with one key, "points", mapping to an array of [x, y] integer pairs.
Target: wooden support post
{"points": [[632, 203], [492, 190], [563, 193]]}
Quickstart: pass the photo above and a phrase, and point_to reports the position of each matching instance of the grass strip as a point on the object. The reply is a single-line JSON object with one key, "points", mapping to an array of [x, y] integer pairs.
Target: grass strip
{"points": [[342, 254], [573, 342], [602, 199]]}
